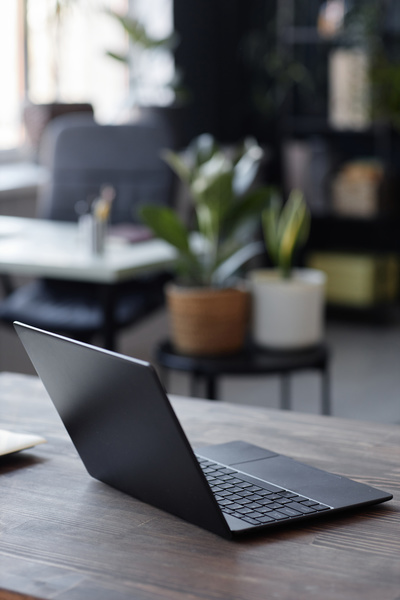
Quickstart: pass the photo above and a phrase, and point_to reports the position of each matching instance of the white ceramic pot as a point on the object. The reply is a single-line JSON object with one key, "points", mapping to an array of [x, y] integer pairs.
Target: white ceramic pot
{"points": [[287, 313]]}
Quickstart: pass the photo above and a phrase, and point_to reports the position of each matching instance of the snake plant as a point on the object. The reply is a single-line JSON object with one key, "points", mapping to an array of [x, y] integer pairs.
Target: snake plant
{"points": [[286, 228]]}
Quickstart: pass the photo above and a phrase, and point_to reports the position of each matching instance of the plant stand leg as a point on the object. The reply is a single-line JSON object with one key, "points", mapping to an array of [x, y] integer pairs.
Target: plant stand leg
{"points": [[211, 388], [209, 382]]}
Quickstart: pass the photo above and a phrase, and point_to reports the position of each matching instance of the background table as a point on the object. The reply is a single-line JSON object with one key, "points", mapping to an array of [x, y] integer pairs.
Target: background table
{"points": [[52, 249], [64, 535]]}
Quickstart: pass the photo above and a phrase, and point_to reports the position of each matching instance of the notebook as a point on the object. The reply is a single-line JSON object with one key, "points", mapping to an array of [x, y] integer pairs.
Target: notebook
{"points": [[128, 436], [12, 441]]}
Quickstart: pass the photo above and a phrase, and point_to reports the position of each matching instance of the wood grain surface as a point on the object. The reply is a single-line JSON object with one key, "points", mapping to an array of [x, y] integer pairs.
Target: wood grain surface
{"points": [[66, 536]]}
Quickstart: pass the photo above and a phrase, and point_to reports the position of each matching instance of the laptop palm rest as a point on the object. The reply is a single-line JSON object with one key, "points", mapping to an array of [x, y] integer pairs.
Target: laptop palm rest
{"points": [[327, 488]]}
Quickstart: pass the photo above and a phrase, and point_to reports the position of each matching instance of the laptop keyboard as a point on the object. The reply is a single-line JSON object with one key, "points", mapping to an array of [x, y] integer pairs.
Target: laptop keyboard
{"points": [[238, 495]]}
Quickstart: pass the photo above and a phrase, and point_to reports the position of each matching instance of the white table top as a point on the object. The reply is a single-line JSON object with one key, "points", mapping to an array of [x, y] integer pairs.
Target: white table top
{"points": [[44, 248]]}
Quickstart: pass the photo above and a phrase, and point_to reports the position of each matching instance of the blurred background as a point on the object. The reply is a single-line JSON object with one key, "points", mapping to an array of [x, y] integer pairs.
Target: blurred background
{"points": [[317, 83]]}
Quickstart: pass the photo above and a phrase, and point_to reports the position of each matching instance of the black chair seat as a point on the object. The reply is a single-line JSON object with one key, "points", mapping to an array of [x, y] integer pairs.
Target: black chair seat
{"points": [[75, 308]]}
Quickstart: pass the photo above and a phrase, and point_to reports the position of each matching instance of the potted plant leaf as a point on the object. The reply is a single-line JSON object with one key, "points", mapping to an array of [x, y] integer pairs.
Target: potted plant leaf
{"points": [[151, 90], [288, 302], [209, 311]]}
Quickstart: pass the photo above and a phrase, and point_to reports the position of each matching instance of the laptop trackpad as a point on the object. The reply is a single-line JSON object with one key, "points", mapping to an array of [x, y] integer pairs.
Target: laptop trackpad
{"points": [[330, 489], [234, 453]]}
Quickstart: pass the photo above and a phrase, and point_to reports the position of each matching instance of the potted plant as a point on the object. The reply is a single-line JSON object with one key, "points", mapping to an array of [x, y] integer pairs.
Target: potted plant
{"points": [[288, 303], [208, 310]]}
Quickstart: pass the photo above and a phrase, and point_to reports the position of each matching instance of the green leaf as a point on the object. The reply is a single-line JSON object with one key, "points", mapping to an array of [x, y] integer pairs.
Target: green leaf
{"points": [[246, 208], [120, 57], [138, 34], [247, 167], [177, 164], [237, 259], [212, 194], [166, 224], [202, 149], [270, 219], [286, 229]]}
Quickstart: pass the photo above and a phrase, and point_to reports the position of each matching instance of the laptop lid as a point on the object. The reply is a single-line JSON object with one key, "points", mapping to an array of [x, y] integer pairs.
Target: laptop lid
{"points": [[123, 425]]}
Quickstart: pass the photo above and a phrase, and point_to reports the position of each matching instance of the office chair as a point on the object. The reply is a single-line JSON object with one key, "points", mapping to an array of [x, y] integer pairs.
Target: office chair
{"points": [[81, 156]]}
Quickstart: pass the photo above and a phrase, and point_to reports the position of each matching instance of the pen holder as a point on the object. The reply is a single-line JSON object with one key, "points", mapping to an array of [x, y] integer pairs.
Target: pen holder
{"points": [[93, 232], [99, 230]]}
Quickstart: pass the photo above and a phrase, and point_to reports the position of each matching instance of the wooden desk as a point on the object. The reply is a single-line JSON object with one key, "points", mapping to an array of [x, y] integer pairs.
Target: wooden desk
{"points": [[44, 248], [64, 535]]}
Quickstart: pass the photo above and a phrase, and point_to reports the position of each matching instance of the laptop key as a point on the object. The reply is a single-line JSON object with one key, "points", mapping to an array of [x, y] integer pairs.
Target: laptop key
{"points": [[314, 504], [243, 510], [266, 519], [223, 502], [284, 501], [255, 488], [287, 494], [321, 507], [226, 471], [274, 496], [254, 505], [225, 486], [273, 505], [264, 509], [245, 494], [244, 484], [250, 520], [301, 508], [254, 515], [224, 493], [277, 516], [290, 512], [235, 506]]}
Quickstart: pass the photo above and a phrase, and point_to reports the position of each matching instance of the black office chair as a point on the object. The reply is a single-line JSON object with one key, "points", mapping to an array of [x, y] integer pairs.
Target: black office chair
{"points": [[82, 156]]}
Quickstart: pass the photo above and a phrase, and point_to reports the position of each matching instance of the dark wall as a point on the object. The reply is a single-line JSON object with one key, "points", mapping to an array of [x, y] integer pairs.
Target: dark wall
{"points": [[211, 34]]}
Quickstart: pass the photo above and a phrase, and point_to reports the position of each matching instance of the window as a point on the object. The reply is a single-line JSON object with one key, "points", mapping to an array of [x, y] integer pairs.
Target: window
{"points": [[11, 72], [67, 53], [63, 56]]}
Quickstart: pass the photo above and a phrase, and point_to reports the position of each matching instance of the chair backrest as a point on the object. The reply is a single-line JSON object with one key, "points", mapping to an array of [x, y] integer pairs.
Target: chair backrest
{"points": [[82, 156]]}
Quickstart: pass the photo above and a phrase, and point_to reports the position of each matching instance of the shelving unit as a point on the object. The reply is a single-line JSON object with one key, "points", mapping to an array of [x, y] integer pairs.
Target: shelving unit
{"points": [[322, 149]]}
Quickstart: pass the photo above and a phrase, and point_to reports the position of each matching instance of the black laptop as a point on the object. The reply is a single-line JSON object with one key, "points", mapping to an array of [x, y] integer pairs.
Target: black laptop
{"points": [[128, 436]]}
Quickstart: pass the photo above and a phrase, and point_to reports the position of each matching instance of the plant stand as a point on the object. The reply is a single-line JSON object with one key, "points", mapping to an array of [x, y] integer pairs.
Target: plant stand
{"points": [[250, 361]]}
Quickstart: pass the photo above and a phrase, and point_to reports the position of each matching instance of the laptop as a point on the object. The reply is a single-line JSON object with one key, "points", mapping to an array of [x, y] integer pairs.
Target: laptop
{"points": [[125, 431]]}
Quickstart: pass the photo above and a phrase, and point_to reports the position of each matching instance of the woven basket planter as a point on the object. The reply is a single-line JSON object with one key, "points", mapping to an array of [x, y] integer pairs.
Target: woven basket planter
{"points": [[206, 321]]}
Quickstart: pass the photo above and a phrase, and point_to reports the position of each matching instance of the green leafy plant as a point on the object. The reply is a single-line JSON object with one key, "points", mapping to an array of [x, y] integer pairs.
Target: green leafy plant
{"points": [[286, 228], [227, 207], [143, 42], [138, 35]]}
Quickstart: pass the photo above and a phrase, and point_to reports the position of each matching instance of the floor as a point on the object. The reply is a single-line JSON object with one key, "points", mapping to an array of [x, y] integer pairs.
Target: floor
{"points": [[365, 370]]}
